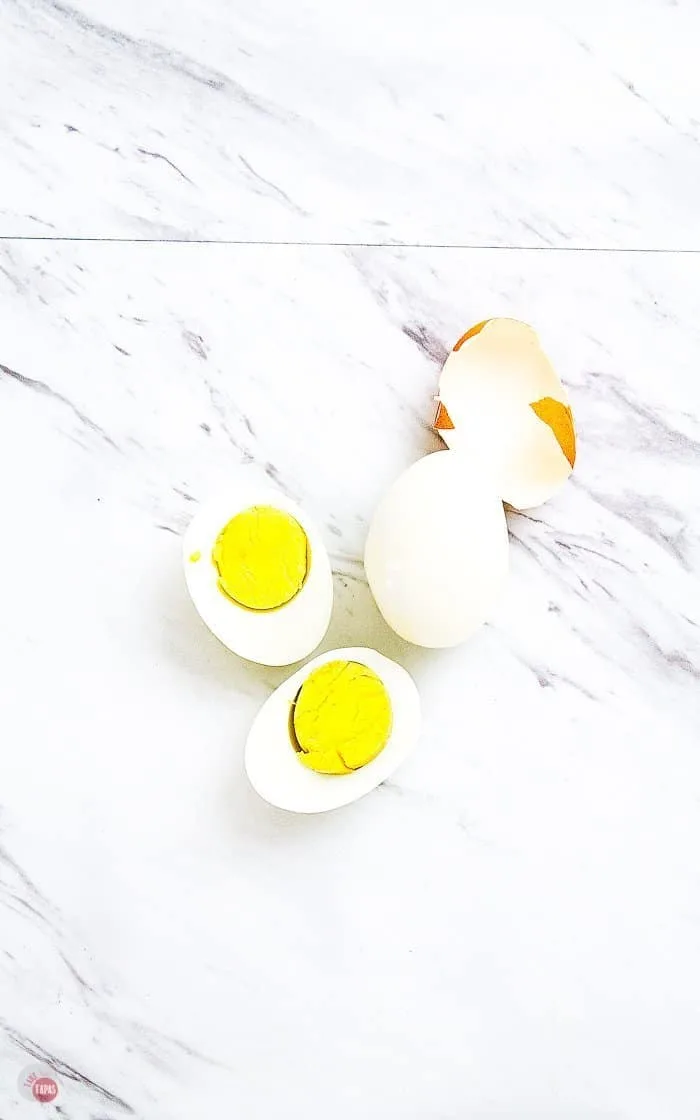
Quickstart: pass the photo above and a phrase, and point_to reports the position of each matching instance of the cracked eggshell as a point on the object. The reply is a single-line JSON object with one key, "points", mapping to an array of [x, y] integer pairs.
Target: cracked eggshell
{"points": [[271, 762], [271, 637], [436, 555], [500, 399]]}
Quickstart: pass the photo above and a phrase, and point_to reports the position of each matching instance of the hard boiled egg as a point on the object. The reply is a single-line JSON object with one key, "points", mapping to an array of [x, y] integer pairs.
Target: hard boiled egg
{"points": [[259, 574], [333, 731], [500, 399], [436, 555]]}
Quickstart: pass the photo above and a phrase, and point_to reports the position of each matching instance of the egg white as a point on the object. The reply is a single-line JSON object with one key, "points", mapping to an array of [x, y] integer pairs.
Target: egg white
{"points": [[275, 637], [272, 764], [436, 555]]}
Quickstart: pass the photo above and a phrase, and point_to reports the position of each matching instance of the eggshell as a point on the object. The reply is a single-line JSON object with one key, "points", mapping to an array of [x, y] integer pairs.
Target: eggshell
{"points": [[275, 637], [271, 762], [500, 399], [436, 555]]}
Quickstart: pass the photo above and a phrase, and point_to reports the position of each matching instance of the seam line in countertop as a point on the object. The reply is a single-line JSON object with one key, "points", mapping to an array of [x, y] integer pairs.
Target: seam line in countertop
{"points": [[346, 244]]}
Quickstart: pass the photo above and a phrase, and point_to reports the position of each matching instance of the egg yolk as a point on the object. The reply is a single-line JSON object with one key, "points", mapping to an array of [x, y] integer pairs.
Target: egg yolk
{"points": [[341, 718], [262, 557]]}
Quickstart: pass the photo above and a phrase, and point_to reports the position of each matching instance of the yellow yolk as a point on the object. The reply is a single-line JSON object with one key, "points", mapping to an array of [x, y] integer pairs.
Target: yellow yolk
{"points": [[262, 557], [341, 718]]}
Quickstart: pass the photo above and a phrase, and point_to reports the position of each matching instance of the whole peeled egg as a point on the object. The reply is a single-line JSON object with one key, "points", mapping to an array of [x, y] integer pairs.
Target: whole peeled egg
{"points": [[258, 574], [436, 555], [333, 731], [501, 400]]}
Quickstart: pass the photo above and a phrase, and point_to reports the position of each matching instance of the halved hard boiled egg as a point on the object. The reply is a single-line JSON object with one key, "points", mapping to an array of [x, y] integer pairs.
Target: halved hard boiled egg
{"points": [[332, 732], [436, 555], [500, 399], [259, 574]]}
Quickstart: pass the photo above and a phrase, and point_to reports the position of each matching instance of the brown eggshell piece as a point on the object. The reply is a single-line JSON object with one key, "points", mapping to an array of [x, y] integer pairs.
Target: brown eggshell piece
{"points": [[470, 334], [559, 418], [443, 422]]}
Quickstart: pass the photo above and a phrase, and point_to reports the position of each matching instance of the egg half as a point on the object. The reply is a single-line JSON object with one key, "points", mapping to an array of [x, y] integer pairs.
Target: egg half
{"points": [[333, 731], [259, 574], [500, 398], [436, 555]]}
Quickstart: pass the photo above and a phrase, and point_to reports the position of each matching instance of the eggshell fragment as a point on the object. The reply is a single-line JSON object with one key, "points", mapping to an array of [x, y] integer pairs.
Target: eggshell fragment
{"points": [[500, 399], [560, 419], [436, 555], [272, 765]]}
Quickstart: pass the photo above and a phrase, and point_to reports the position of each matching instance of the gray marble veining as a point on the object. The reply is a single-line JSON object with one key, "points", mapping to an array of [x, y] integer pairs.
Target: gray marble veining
{"points": [[502, 124], [509, 927]]}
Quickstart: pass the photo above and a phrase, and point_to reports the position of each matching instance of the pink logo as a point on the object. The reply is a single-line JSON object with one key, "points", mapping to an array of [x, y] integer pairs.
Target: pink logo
{"points": [[44, 1089], [37, 1083]]}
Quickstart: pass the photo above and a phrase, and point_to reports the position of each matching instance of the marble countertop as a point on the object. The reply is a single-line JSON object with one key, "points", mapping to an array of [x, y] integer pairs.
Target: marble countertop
{"points": [[550, 123], [509, 927]]}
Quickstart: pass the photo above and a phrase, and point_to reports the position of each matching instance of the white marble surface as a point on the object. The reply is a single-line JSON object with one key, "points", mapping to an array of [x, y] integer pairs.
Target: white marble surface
{"points": [[547, 123], [509, 928]]}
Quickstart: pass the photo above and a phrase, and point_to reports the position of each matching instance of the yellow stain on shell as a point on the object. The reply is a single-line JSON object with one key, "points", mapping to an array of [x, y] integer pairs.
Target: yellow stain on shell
{"points": [[470, 334], [559, 418]]}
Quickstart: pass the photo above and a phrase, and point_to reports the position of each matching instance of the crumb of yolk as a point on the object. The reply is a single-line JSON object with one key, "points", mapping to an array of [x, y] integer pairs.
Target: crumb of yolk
{"points": [[195, 557], [262, 557], [341, 718]]}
